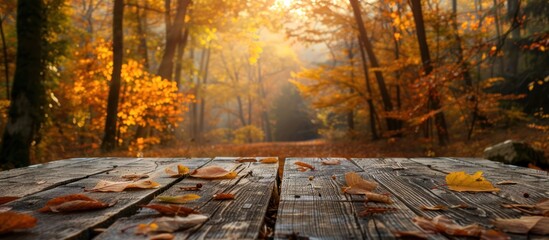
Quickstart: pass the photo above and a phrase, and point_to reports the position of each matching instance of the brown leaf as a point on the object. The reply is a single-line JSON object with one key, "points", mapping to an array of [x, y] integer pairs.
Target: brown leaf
{"points": [[358, 185], [331, 162], [269, 160], [134, 177], [304, 165], [434, 208], [7, 199], [524, 225], [73, 203], [410, 234], [178, 199], [192, 188], [181, 171], [375, 197], [446, 225], [541, 208], [243, 160], [10, 221], [162, 236], [373, 210], [171, 224], [171, 210], [491, 234], [223, 196], [110, 186], [213, 172]]}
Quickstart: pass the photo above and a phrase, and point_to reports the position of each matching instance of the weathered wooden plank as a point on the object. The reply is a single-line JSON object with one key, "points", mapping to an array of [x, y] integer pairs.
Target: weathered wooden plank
{"points": [[384, 225], [535, 188], [508, 167], [38, 178], [32, 168], [312, 204], [417, 185], [241, 218], [80, 225]]}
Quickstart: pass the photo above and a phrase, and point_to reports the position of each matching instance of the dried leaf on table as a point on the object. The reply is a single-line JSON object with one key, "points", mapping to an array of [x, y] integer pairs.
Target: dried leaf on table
{"points": [[376, 197], [540, 208], [410, 234], [223, 196], [10, 221], [269, 160], [171, 224], [243, 160], [506, 182], [7, 199], [372, 210], [181, 171], [444, 224], [304, 166], [110, 186], [162, 236], [526, 224], [357, 185], [178, 199], [434, 208], [331, 162], [463, 182], [171, 210], [134, 177], [213, 172], [73, 203]]}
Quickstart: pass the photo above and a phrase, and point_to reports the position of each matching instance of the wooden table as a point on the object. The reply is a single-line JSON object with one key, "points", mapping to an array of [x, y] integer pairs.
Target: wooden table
{"points": [[301, 205]]}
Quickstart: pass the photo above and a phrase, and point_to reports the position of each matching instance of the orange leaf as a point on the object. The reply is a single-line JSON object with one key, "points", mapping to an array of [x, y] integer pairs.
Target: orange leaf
{"points": [[331, 162], [171, 210], [358, 185], [243, 160], [463, 182], [162, 236], [10, 221], [178, 199], [269, 160], [110, 186], [223, 196], [7, 199], [73, 203], [213, 172], [304, 165], [181, 170]]}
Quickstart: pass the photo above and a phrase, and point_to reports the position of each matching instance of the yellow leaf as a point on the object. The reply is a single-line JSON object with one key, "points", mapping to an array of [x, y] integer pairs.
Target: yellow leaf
{"points": [[463, 182], [181, 170], [269, 160], [178, 199]]}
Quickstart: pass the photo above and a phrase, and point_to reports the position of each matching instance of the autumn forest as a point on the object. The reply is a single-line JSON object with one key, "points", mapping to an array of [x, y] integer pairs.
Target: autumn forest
{"points": [[155, 78]]}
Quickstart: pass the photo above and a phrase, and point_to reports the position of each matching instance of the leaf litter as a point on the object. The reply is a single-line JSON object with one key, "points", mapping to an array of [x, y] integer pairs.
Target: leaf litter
{"points": [[74, 203], [12, 221], [213, 172]]}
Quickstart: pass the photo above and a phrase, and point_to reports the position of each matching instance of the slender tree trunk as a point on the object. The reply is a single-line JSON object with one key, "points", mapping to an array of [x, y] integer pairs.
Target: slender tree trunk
{"points": [[434, 101], [350, 113], [201, 123], [167, 17], [370, 101], [498, 35], [165, 70], [25, 114], [179, 58], [513, 7], [109, 140], [141, 19], [6, 64], [463, 66], [392, 124], [264, 112]]}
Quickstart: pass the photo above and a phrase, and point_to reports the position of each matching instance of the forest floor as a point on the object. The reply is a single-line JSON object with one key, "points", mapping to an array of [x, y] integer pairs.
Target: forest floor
{"points": [[402, 147]]}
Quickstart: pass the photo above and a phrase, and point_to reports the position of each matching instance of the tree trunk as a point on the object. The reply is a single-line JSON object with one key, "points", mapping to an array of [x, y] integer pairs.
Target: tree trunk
{"points": [[513, 7], [109, 140], [142, 49], [463, 66], [6, 64], [201, 123], [264, 112], [392, 124], [179, 58], [165, 70], [498, 35], [370, 101], [25, 114], [434, 101]]}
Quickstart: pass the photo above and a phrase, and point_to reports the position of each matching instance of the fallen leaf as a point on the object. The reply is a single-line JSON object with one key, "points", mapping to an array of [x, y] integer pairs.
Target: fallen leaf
{"points": [[269, 160], [410, 234], [541, 208], [134, 177], [10, 221], [506, 182], [375, 197], [171, 210], [213, 172], [223, 196], [434, 208], [171, 224], [243, 160], [357, 185], [162, 236], [372, 210], [304, 166], [192, 188], [444, 224], [110, 186], [73, 203], [181, 171], [331, 162], [524, 225], [7, 199], [463, 182], [178, 199]]}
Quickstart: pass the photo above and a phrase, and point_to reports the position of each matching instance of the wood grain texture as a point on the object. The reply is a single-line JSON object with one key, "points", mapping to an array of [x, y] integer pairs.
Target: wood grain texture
{"points": [[80, 225], [316, 207], [498, 165], [241, 218]]}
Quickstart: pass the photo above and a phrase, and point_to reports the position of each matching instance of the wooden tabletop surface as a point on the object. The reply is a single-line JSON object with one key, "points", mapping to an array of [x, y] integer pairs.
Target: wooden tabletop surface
{"points": [[289, 205]]}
